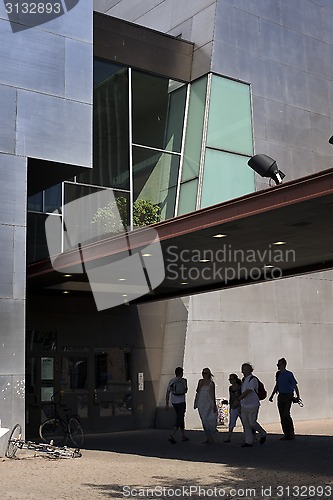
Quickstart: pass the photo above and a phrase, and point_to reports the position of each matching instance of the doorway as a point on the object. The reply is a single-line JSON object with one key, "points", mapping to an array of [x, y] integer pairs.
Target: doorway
{"points": [[94, 382]]}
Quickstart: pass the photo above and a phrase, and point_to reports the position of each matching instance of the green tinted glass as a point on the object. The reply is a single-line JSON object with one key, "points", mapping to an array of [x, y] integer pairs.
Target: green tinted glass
{"points": [[226, 176], [188, 197], [194, 131], [229, 122]]}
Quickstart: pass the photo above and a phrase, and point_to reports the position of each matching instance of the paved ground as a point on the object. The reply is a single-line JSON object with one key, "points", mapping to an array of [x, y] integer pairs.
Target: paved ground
{"points": [[144, 465]]}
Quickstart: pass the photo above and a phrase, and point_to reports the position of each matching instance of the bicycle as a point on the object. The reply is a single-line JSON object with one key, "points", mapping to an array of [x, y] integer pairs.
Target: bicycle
{"points": [[15, 442], [58, 429]]}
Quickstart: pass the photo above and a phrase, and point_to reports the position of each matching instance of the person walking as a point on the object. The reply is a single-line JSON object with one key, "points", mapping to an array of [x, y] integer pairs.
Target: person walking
{"points": [[235, 390], [250, 407], [177, 388], [205, 402], [285, 386]]}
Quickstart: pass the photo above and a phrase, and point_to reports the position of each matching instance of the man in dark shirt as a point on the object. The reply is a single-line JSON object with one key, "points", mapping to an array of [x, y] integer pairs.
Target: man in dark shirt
{"points": [[285, 386]]}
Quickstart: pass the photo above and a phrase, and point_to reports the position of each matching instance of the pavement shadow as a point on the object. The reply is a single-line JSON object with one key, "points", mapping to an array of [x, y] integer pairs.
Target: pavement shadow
{"points": [[307, 454]]}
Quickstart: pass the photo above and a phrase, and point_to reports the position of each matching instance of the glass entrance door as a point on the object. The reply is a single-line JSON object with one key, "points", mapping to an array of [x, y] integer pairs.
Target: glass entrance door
{"points": [[95, 383], [112, 388]]}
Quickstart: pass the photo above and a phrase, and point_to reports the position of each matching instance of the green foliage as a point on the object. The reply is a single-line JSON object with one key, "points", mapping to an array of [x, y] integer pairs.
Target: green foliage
{"points": [[145, 212]]}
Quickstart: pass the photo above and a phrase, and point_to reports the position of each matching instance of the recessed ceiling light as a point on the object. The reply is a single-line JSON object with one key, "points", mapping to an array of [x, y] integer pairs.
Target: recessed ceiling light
{"points": [[219, 235], [279, 243], [184, 283], [124, 295], [204, 260], [147, 255], [121, 279], [65, 291], [268, 266], [67, 275]]}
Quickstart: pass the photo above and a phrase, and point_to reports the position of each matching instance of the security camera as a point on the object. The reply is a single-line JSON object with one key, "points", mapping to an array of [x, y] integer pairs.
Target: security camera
{"points": [[266, 167]]}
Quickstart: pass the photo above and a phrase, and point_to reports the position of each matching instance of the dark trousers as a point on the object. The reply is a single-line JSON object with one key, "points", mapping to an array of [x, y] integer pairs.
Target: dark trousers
{"points": [[284, 403], [180, 409]]}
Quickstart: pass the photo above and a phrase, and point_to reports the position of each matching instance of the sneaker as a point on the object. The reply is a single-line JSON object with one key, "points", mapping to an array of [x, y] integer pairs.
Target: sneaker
{"points": [[246, 445], [172, 440]]}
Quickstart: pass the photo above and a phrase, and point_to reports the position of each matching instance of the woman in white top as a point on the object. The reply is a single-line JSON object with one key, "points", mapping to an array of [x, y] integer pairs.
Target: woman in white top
{"points": [[205, 401]]}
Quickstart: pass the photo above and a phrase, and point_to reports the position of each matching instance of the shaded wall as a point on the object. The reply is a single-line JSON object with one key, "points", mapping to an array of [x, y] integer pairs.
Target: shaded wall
{"points": [[45, 92], [140, 329]]}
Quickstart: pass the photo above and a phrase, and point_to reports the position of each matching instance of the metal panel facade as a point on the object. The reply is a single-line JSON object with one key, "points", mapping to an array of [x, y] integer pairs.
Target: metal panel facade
{"points": [[46, 113]]}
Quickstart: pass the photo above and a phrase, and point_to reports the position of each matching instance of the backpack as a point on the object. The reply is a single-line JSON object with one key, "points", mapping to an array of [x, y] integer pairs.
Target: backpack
{"points": [[262, 393], [179, 386]]}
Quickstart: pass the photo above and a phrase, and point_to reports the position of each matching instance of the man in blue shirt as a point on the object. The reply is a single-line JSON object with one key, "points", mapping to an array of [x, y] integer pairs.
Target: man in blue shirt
{"points": [[285, 386]]}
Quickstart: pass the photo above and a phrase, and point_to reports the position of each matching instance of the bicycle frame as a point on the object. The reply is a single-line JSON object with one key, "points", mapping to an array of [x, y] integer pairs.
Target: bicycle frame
{"points": [[15, 442], [59, 429]]}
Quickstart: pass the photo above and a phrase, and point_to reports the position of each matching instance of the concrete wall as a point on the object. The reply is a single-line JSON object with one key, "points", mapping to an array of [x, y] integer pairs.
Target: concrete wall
{"points": [[290, 318], [285, 51], [46, 110]]}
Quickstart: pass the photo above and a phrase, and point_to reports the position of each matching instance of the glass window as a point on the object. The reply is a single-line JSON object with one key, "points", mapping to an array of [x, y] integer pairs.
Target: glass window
{"points": [[158, 111], [35, 202], [95, 220], [112, 367], [226, 176], [110, 128], [194, 129], [37, 248], [41, 340], [52, 198], [113, 387], [229, 122], [74, 373], [175, 121], [155, 176], [188, 197]]}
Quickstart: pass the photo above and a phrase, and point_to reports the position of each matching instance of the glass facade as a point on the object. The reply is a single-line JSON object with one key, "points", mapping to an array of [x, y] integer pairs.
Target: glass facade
{"points": [[229, 143], [165, 148]]}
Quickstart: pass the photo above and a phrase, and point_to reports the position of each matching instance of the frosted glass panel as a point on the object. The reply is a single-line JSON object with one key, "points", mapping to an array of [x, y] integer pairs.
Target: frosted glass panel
{"points": [[226, 176], [193, 139], [229, 122], [188, 197]]}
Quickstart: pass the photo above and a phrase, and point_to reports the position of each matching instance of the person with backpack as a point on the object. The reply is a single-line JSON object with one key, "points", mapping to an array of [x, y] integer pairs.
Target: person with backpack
{"points": [[205, 401], [250, 403], [177, 388], [285, 386]]}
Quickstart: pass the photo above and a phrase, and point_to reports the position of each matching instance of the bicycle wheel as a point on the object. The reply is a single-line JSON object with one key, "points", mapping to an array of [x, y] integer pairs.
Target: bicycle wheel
{"points": [[12, 445], [51, 431], [75, 432]]}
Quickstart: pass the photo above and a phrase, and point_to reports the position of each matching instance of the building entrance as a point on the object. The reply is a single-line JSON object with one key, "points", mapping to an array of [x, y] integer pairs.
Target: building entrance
{"points": [[94, 382]]}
